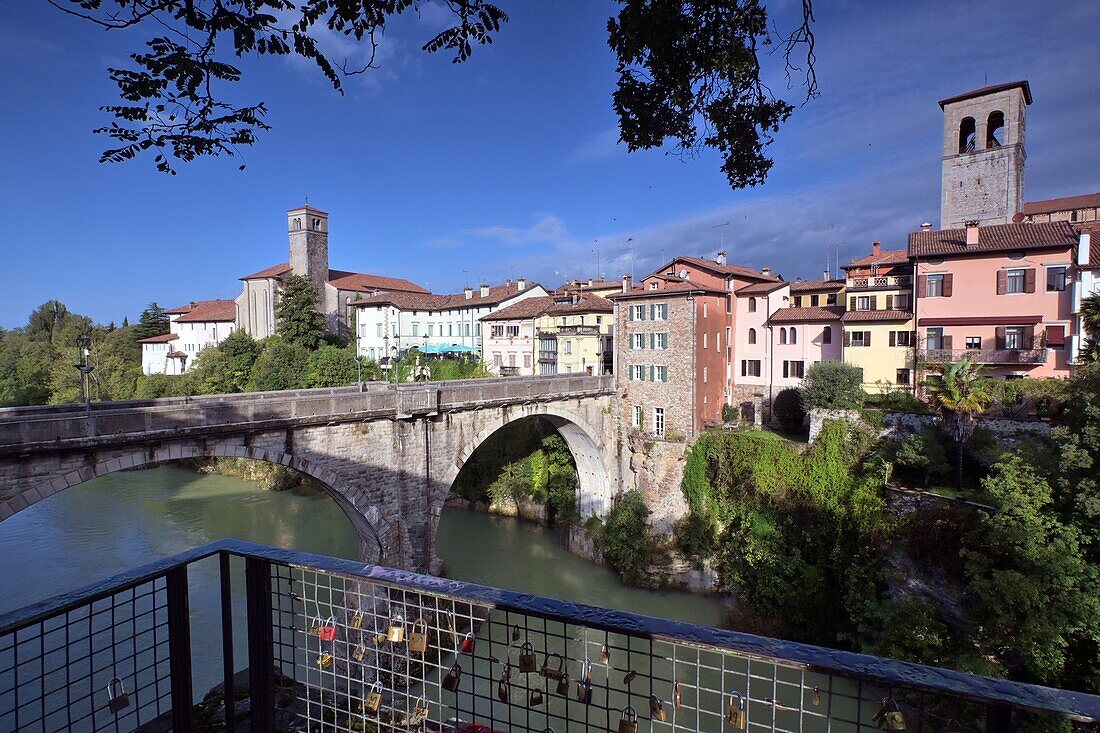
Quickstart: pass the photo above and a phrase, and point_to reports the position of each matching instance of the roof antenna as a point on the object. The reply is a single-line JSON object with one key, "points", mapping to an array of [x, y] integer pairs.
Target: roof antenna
{"points": [[722, 228], [467, 273]]}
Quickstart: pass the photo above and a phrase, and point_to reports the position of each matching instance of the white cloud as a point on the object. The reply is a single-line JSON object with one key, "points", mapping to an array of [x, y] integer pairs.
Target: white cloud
{"points": [[597, 146], [547, 229]]}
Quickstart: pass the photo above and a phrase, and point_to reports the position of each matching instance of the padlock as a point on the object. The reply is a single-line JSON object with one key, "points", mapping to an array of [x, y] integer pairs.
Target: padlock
{"points": [[535, 698], [553, 672], [418, 636], [324, 660], [515, 634], [815, 698], [374, 698], [327, 631], [468, 643], [359, 652], [628, 723], [629, 677], [117, 697], [677, 700], [584, 685], [563, 684], [419, 712], [315, 627], [356, 621], [889, 717], [528, 662], [605, 654], [656, 709], [379, 638], [735, 713], [450, 682], [396, 634], [451, 630], [504, 685]]}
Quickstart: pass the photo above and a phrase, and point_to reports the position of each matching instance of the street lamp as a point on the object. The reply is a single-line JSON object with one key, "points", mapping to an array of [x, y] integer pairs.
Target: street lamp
{"points": [[85, 367]]}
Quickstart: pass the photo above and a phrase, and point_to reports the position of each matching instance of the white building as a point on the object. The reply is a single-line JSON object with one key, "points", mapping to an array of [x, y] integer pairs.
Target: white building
{"points": [[307, 230], [1086, 283], [192, 328], [392, 321]]}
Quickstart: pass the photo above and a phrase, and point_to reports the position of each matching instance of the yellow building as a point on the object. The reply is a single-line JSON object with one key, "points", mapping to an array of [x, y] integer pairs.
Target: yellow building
{"points": [[879, 332], [576, 335]]}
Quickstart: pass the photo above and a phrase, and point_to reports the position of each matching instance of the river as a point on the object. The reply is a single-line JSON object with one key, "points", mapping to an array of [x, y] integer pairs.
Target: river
{"points": [[123, 520]]}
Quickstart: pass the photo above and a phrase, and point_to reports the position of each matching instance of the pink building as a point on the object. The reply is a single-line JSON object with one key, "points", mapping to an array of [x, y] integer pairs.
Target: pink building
{"points": [[752, 340], [999, 294], [801, 337], [508, 337]]}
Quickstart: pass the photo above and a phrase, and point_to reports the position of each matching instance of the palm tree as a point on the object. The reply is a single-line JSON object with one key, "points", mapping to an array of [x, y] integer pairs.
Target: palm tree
{"points": [[1090, 318], [957, 392]]}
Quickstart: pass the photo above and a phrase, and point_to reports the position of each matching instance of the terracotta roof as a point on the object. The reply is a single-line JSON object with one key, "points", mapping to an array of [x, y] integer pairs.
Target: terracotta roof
{"points": [[724, 269], [805, 286], [1066, 203], [595, 285], [760, 288], [885, 257], [804, 315], [431, 302], [180, 310], [673, 286], [522, 311], [207, 311], [866, 316], [993, 238], [344, 280], [177, 354], [274, 271], [1092, 228], [993, 88], [162, 339], [588, 303]]}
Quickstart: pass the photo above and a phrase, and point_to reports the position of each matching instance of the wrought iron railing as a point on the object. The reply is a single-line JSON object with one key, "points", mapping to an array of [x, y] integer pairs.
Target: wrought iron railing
{"points": [[335, 645], [984, 356]]}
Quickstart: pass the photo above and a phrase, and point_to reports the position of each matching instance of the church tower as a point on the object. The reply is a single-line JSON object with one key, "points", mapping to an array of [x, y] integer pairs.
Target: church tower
{"points": [[983, 155], [308, 231]]}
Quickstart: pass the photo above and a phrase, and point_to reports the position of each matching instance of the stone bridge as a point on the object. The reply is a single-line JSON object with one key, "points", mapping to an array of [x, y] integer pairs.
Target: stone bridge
{"points": [[387, 454]]}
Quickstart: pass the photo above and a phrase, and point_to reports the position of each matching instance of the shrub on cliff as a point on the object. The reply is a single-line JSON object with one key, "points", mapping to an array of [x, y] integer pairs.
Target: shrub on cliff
{"points": [[787, 408], [832, 385], [626, 543]]}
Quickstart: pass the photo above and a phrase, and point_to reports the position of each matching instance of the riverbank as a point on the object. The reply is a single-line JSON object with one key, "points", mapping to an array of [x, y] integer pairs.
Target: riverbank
{"points": [[267, 476]]}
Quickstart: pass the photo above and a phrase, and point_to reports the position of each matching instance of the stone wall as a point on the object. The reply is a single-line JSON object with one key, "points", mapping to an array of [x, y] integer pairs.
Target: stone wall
{"points": [[896, 425], [657, 470]]}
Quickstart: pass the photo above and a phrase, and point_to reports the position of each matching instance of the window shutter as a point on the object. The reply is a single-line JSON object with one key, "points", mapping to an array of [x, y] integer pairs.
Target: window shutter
{"points": [[848, 338], [947, 284], [866, 338], [912, 338], [1056, 335], [744, 368], [873, 300], [922, 286], [653, 341], [1029, 338], [890, 304], [852, 303], [1029, 280], [947, 342], [1000, 338], [893, 338], [786, 369], [1002, 282]]}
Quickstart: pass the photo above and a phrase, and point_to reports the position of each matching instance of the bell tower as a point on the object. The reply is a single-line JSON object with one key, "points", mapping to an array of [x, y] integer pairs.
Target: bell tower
{"points": [[983, 155], [308, 232]]}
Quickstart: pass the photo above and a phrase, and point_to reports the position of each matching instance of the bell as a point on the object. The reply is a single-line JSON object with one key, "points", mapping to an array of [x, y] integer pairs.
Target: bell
{"points": [[628, 723], [117, 697], [418, 637], [468, 643], [396, 633], [324, 660], [359, 652], [677, 700], [356, 621], [535, 698], [563, 684], [419, 712], [735, 713], [374, 698], [656, 709], [605, 654], [528, 662], [553, 672], [454, 676], [327, 630]]}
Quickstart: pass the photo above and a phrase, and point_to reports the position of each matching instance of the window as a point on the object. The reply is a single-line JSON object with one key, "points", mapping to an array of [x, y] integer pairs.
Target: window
{"points": [[659, 312], [827, 335], [637, 312], [901, 338], [1056, 279], [902, 376], [450, 329], [752, 335], [933, 339], [496, 331], [636, 416], [752, 305], [416, 329], [1014, 337], [659, 421], [798, 301], [660, 374], [659, 340], [861, 338], [1014, 281], [637, 340], [815, 300], [750, 367], [467, 329], [705, 371], [496, 359], [782, 335], [935, 286], [968, 135], [995, 130], [704, 339], [794, 369], [568, 347], [526, 361], [637, 372], [653, 286], [704, 310], [431, 330], [378, 329], [512, 331], [1056, 337], [973, 342], [794, 335], [900, 302], [477, 329], [511, 360], [830, 299], [863, 303]]}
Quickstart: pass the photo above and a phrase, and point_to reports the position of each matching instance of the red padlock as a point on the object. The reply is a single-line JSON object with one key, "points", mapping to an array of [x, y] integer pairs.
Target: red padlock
{"points": [[468, 643], [327, 632]]}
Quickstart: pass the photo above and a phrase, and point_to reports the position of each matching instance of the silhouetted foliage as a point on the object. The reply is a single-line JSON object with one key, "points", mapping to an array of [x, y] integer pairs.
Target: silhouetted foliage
{"points": [[153, 322]]}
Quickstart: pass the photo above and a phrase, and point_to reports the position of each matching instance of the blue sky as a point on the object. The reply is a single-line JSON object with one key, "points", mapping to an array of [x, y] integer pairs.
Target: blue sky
{"points": [[507, 165]]}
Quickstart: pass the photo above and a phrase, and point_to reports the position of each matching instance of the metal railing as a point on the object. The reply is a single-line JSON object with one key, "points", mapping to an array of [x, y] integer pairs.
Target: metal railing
{"points": [[984, 356], [335, 645]]}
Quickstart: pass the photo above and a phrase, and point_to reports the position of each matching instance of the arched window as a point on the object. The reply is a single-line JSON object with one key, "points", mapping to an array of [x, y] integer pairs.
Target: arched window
{"points": [[782, 335], [752, 305], [995, 130], [752, 335], [297, 223], [827, 335], [794, 335], [967, 135]]}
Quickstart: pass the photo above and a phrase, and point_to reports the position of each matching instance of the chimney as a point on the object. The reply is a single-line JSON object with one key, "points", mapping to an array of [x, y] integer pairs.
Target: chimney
{"points": [[484, 290], [1083, 248], [308, 232], [876, 248], [521, 283], [721, 258], [628, 283], [589, 282], [766, 270], [926, 226], [972, 233], [826, 276], [469, 292]]}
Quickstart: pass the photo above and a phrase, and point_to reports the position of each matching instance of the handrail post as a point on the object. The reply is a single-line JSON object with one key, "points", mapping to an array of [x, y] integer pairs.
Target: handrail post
{"points": [[227, 641], [179, 648], [261, 660]]}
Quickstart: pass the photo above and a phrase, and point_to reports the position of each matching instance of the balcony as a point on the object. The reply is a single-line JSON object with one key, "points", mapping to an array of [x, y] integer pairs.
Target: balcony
{"points": [[984, 356], [571, 331]]}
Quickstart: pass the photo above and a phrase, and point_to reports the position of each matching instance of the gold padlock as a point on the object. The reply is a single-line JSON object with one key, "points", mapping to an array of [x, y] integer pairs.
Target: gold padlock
{"points": [[656, 709], [359, 652], [356, 621], [396, 633], [324, 660], [374, 698], [735, 713], [379, 638], [117, 697], [889, 717], [628, 723], [677, 699], [605, 654], [418, 636], [419, 712], [315, 627], [553, 672]]}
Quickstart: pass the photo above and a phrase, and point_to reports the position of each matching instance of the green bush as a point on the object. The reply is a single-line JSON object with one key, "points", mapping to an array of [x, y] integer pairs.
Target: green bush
{"points": [[924, 456], [832, 385], [729, 414], [787, 408], [696, 536], [281, 365], [898, 401], [626, 543], [331, 366]]}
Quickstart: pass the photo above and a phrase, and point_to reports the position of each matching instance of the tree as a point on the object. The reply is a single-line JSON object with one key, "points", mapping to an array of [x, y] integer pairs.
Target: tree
{"points": [[241, 352], [1090, 318], [45, 318], [331, 366], [832, 385], [689, 70], [153, 322], [787, 408], [959, 395], [297, 319], [625, 542], [281, 365]]}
